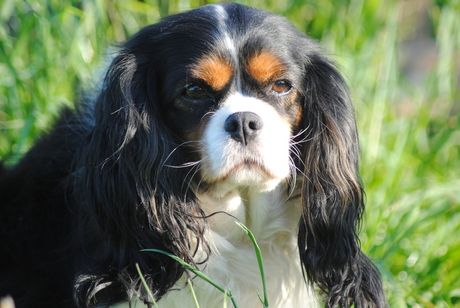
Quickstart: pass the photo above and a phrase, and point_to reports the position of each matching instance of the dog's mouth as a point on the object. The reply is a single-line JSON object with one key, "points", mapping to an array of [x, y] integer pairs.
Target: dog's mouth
{"points": [[251, 165], [245, 171]]}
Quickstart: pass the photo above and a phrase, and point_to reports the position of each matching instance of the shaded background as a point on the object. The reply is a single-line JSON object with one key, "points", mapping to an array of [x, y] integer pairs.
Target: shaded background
{"points": [[401, 59]]}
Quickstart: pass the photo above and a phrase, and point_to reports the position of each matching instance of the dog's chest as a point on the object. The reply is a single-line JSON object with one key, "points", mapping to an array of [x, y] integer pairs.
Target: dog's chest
{"points": [[233, 265], [273, 219]]}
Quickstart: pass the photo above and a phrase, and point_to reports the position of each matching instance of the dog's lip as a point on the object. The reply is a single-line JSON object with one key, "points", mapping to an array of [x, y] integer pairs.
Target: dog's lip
{"points": [[241, 165], [247, 162], [244, 162]]}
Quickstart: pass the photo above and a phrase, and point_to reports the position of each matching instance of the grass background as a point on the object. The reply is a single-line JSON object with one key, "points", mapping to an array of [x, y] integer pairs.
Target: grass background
{"points": [[402, 61]]}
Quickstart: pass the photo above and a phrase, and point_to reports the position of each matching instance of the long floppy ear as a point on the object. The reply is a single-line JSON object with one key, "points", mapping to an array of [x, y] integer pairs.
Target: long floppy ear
{"points": [[332, 195], [128, 197]]}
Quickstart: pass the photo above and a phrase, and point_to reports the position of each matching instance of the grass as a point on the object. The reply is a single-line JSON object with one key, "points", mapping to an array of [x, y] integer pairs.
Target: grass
{"points": [[407, 100], [198, 273]]}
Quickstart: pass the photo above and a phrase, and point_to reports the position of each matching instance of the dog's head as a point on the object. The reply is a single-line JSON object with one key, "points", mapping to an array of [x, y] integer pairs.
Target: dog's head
{"points": [[216, 98]]}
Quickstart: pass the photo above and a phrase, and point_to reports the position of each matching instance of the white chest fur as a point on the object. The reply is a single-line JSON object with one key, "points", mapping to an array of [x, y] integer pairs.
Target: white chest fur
{"points": [[233, 263], [273, 219]]}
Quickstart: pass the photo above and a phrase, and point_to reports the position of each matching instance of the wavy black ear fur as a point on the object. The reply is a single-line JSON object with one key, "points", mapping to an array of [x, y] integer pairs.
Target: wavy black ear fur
{"points": [[122, 176], [332, 194]]}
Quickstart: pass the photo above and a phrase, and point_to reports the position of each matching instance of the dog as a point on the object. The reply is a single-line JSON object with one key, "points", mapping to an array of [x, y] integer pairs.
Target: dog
{"points": [[218, 115]]}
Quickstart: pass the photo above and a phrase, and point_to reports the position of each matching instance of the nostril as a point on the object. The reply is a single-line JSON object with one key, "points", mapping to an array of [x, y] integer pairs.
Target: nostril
{"points": [[255, 125], [231, 124]]}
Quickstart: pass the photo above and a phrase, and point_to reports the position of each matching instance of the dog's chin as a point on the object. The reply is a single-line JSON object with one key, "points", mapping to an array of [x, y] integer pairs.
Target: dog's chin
{"points": [[246, 174]]}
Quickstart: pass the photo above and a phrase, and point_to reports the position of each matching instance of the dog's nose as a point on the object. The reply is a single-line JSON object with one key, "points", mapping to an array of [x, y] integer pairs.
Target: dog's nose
{"points": [[243, 126]]}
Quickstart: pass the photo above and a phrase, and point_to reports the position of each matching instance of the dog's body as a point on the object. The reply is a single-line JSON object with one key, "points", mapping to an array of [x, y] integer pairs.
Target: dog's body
{"points": [[222, 114]]}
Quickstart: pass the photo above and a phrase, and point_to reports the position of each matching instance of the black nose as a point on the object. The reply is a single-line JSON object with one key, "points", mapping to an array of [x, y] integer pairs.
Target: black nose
{"points": [[243, 126]]}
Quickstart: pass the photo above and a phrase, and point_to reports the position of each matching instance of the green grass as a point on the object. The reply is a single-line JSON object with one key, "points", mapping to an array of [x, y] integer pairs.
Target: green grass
{"points": [[198, 273], [410, 130]]}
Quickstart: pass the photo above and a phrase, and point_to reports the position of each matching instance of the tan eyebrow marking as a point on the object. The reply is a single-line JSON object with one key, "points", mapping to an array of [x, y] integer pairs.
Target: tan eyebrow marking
{"points": [[214, 70], [265, 66]]}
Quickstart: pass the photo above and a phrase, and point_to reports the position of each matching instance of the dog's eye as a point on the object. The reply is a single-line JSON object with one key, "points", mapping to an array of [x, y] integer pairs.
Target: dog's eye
{"points": [[194, 92], [282, 86]]}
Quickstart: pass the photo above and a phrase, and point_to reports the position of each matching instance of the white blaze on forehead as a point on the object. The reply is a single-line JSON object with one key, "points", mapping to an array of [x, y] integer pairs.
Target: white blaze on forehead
{"points": [[223, 20], [226, 40]]}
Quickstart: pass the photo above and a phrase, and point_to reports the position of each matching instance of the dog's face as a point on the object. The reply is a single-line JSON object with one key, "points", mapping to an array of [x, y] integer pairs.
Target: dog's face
{"points": [[240, 118], [237, 102]]}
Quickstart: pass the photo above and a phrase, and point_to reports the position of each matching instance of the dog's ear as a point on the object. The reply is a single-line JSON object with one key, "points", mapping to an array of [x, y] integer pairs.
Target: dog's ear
{"points": [[128, 196], [332, 195]]}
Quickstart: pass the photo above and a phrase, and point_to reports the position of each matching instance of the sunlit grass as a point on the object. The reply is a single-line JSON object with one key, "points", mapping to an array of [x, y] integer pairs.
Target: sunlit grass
{"points": [[50, 52]]}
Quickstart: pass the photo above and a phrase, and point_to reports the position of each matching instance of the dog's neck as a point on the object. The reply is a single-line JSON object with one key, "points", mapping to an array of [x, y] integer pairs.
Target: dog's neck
{"points": [[264, 212]]}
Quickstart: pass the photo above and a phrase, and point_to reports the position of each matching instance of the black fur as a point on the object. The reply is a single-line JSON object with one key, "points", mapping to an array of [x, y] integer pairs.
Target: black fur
{"points": [[332, 195], [79, 207]]}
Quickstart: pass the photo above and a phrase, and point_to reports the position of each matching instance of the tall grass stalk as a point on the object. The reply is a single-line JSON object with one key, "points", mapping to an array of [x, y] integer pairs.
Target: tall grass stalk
{"points": [[197, 273], [192, 291], [260, 262], [144, 283], [209, 280]]}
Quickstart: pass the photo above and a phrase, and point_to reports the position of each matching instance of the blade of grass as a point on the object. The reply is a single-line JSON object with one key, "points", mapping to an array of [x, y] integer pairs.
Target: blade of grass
{"points": [[196, 272], [225, 299], [146, 286], [259, 261], [193, 293]]}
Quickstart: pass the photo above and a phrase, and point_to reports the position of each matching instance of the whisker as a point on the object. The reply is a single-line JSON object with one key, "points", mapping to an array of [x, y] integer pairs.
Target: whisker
{"points": [[184, 165], [292, 164], [175, 149], [207, 114], [292, 181], [296, 152], [299, 133], [189, 176], [306, 138]]}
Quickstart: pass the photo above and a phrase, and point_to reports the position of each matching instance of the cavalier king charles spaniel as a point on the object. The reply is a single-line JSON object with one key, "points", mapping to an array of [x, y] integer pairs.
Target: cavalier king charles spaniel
{"points": [[219, 115]]}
